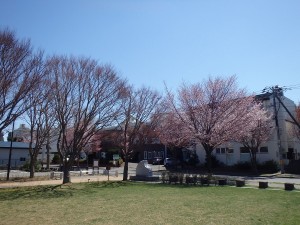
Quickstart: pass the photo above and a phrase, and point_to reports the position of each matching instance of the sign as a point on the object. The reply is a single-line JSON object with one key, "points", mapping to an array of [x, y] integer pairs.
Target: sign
{"points": [[96, 163], [116, 157]]}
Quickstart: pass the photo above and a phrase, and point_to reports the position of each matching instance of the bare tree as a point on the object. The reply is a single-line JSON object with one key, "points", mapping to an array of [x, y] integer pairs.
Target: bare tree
{"points": [[41, 120], [20, 73], [214, 111], [257, 131], [136, 110], [85, 101]]}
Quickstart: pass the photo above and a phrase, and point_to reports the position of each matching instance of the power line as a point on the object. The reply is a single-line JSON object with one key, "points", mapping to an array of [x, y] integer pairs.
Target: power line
{"points": [[293, 86]]}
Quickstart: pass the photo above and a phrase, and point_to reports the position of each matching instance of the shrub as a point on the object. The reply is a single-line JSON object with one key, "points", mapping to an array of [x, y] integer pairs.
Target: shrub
{"points": [[214, 162], [193, 159], [103, 161], [56, 159], [37, 166], [268, 166], [243, 166], [164, 177], [173, 178]]}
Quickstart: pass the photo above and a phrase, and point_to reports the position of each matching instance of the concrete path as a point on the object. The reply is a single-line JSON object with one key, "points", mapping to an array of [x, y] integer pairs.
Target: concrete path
{"points": [[275, 182]]}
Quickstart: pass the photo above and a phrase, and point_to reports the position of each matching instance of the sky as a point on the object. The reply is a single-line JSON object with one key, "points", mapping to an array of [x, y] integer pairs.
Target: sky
{"points": [[150, 42]]}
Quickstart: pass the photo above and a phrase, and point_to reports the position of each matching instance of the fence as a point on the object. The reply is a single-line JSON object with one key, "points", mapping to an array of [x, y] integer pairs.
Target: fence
{"points": [[14, 163], [57, 174]]}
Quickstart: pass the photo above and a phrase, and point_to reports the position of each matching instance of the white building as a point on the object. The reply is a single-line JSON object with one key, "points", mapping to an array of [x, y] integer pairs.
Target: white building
{"points": [[22, 136], [275, 149]]}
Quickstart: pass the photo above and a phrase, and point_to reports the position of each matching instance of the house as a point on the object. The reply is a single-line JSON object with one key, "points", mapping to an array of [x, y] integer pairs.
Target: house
{"points": [[22, 135], [279, 148], [19, 153]]}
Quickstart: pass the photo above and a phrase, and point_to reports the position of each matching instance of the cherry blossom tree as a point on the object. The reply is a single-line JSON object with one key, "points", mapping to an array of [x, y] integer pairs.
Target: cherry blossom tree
{"points": [[136, 110], [20, 73], [257, 131], [86, 99], [214, 111], [171, 130]]}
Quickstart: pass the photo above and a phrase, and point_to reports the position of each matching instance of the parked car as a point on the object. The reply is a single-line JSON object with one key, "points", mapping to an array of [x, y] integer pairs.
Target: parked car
{"points": [[170, 162], [157, 161]]}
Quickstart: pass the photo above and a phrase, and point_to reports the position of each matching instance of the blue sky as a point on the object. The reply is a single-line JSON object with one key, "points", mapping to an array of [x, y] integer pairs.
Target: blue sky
{"points": [[154, 41]]}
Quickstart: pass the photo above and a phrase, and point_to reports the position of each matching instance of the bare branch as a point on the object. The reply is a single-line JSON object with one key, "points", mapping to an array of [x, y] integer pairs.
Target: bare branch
{"points": [[86, 99], [20, 73]]}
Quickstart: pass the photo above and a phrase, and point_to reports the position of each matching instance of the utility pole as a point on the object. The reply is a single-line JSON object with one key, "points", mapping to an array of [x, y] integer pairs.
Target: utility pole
{"points": [[10, 150], [275, 91], [286, 109]]}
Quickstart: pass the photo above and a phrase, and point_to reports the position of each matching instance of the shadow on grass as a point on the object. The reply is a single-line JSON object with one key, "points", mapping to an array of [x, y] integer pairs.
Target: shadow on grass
{"points": [[69, 190], [183, 185], [108, 184], [38, 192], [57, 191]]}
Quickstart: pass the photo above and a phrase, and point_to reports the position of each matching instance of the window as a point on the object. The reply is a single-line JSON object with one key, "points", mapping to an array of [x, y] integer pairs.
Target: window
{"points": [[230, 150], [244, 150], [22, 159], [149, 155], [284, 156], [263, 150], [145, 155], [224, 150]]}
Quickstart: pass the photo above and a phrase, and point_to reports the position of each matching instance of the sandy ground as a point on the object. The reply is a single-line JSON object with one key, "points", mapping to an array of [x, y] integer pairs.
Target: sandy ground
{"points": [[74, 179]]}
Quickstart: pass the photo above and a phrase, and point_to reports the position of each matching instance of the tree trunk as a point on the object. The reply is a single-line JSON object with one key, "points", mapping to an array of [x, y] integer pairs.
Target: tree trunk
{"points": [[125, 173], [208, 158], [253, 160], [66, 173], [31, 168], [48, 154], [208, 150]]}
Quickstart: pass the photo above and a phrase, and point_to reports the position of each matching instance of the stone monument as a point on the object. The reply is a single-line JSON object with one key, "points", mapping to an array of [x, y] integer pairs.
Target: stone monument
{"points": [[144, 172]]}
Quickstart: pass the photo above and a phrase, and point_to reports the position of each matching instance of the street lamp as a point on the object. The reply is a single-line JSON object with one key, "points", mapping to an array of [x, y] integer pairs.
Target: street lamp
{"points": [[10, 149]]}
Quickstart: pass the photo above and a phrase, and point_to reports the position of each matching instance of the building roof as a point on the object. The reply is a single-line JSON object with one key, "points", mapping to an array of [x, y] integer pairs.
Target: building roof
{"points": [[15, 145]]}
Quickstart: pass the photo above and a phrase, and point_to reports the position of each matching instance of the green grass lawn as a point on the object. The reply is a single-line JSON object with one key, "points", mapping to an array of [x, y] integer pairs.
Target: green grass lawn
{"points": [[139, 203]]}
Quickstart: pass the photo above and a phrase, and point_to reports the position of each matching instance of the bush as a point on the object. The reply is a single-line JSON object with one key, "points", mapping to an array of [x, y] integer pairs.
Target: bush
{"points": [[103, 161], [37, 166], [193, 159], [164, 177], [56, 159], [173, 178], [214, 162], [268, 166], [243, 166]]}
